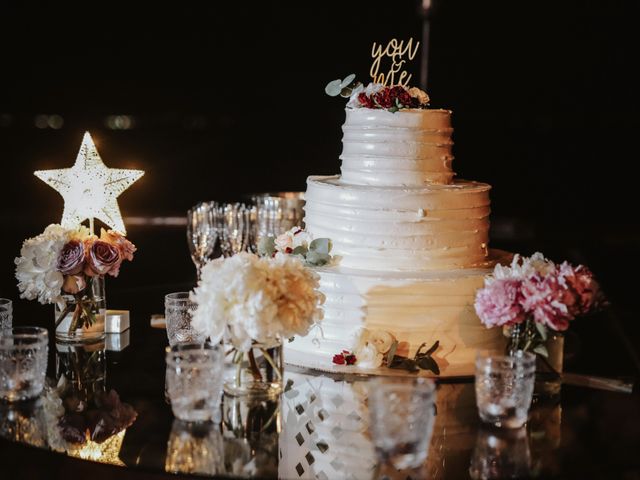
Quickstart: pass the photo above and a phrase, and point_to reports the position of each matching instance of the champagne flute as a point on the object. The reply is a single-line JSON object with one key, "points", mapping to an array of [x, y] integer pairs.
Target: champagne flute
{"points": [[202, 232]]}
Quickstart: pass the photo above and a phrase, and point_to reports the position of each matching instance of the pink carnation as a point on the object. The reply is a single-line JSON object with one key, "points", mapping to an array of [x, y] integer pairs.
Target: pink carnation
{"points": [[499, 303], [548, 301]]}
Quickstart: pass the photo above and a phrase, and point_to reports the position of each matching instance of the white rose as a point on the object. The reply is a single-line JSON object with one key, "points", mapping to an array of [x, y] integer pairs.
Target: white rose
{"points": [[368, 357], [284, 241], [381, 340]]}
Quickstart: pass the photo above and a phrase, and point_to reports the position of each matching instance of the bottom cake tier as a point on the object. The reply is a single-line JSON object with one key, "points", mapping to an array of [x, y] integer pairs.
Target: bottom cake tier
{"points": [[416, 308]]}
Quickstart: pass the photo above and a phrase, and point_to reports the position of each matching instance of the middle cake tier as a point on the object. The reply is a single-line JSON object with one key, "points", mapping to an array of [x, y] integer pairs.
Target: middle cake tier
{"points": [[398, 228]]}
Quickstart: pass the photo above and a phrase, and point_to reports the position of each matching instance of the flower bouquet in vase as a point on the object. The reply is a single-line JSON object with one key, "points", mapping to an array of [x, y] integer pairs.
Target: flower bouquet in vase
{"points": [[67, 267], [253, 304], [535, 300]]}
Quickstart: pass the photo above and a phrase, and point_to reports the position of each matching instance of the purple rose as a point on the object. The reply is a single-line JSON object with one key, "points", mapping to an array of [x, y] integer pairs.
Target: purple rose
{"points": [[71, 259], [103, 258]]}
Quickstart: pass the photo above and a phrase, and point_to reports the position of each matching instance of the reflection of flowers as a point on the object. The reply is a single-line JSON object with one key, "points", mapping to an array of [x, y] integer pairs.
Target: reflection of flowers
{"points": [[106, 417]]}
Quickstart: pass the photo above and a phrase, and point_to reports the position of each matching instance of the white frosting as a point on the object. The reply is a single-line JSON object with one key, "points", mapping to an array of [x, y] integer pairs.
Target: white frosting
{"points": [[407, 148], [411, 229], [418, 307]]}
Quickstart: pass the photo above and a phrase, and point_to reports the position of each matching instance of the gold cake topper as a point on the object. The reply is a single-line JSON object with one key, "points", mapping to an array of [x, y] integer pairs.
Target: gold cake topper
{"points": [[395, 50]]}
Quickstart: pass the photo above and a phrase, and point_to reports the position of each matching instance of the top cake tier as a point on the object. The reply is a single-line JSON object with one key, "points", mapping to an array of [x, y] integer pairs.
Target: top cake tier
{"points": [[409, 148]]}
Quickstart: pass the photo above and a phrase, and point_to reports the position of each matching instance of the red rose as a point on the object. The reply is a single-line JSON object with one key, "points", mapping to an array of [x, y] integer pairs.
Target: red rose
{"points": [[338, 359], [366, 101], [383, 98], [103, 258], [401, 95], [350, 359]]}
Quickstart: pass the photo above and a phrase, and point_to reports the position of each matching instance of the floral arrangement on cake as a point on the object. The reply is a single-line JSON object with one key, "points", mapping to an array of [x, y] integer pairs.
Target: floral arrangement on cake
{"points": [[379, 348], [299, 243], [63, 261], [376, 95], [533, 295]]}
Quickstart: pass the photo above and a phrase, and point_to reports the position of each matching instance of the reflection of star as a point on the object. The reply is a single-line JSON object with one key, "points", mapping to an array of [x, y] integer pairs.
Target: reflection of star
{"points": [[89, 188]]}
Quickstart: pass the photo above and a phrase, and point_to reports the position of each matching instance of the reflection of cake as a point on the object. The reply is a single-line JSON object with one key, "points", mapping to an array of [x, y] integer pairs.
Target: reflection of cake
{"points": [[410, 242], [325, 431]]}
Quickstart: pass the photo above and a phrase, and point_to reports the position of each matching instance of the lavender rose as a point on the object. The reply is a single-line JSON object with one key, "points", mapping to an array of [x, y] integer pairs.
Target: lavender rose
{"points": [[103, 258], [71, 259]]}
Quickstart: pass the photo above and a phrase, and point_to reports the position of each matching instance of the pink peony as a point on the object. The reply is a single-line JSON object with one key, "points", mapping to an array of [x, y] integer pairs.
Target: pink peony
{"points": [[548, 301], [71, 259], [499, 303], [103, 258]]}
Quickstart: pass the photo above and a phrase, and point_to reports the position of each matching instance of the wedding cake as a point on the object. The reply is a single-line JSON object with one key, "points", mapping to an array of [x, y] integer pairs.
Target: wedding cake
{"points": [[410, 242]]}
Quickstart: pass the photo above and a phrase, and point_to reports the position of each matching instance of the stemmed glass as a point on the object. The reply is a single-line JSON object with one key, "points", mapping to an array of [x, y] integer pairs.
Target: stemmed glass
{"points": [[202, 232], [237, 224]]}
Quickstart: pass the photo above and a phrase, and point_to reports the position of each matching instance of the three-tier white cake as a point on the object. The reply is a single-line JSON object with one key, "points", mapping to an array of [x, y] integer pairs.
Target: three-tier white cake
{"points": [[411, 243]]}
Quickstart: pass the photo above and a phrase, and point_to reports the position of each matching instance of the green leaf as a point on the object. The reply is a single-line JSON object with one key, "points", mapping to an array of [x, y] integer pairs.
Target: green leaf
{"points": [[348, 80], [392, 352], [393, 109], [316, 259], [267, 246], [300, 250], [403, 363], [541, 350], [542, 330], [320, 245], [433, 348], [333, 88], [422, 345], [428, 363]]}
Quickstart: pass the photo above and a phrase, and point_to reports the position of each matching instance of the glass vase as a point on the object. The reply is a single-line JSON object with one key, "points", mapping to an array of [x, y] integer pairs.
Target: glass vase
{"points": [[549, 367], [83, 318], [256, 372]]}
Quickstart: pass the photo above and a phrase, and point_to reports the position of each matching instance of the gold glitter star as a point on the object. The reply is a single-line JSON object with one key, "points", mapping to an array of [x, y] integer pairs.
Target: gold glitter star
{"points": [[90, 188]]}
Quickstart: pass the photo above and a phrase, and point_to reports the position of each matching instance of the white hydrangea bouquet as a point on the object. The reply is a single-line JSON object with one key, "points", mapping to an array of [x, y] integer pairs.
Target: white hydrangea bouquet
{"points": [[254, 303]]}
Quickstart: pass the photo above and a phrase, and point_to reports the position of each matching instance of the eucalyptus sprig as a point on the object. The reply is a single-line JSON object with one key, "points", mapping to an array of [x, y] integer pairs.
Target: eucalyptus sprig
{"points": [[344, 88]]}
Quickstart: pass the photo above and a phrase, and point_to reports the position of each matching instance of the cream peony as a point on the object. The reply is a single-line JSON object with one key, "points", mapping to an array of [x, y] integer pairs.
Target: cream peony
{"points": [[251, 299], [36, 268]]}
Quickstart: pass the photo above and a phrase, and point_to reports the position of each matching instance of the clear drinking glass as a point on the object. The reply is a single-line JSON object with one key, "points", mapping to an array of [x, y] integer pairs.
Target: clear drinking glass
{"points": [[23, 362], [402, 412], [237, 223], [178, 311], [6, 313], [277, 212], [194, 381], [202, 232], [504, 388]]}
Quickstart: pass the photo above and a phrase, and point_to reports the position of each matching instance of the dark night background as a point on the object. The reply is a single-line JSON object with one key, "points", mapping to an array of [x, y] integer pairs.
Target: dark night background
{"points": [[226, 100]]}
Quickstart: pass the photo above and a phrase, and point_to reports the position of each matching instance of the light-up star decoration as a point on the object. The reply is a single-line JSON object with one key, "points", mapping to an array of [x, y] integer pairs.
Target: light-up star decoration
{"points": [[90, 189]]}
